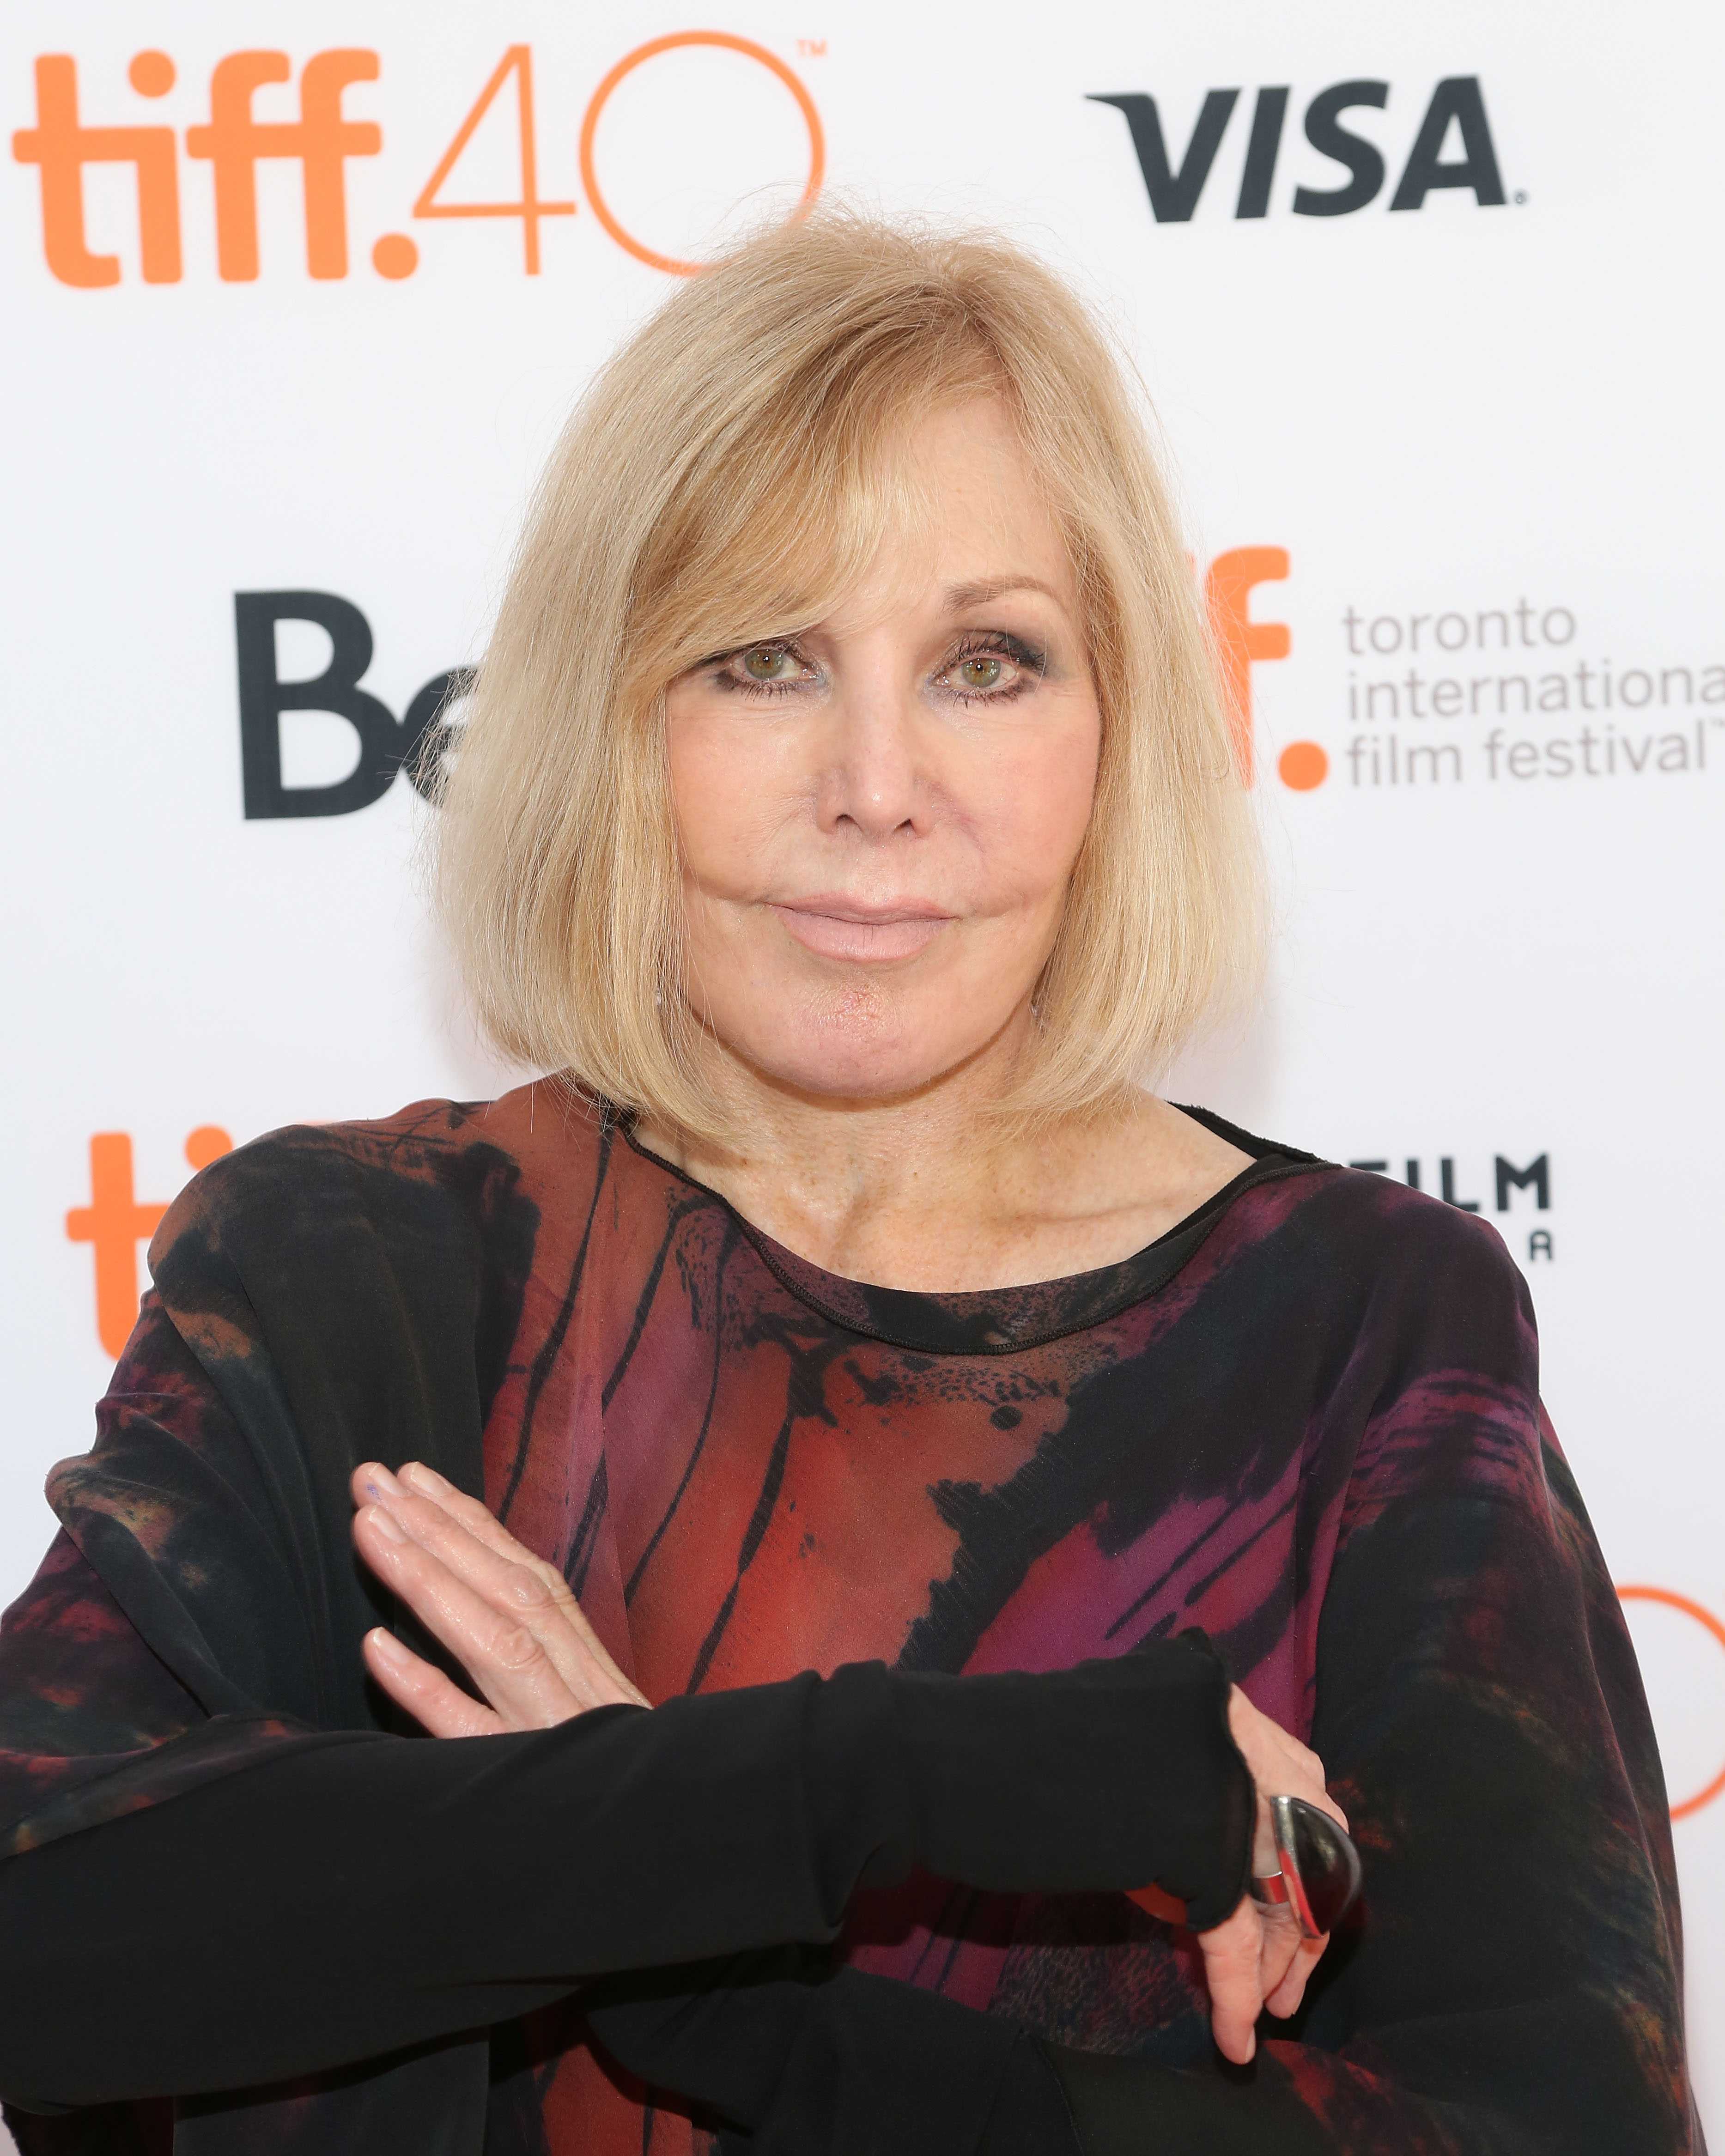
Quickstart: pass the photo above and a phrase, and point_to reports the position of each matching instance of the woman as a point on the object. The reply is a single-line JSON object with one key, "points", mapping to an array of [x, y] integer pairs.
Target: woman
{"points": [[845, 812]]}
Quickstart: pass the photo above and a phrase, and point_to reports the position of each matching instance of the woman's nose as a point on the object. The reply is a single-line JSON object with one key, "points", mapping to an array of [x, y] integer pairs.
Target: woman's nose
{"points": [[876, 779]]}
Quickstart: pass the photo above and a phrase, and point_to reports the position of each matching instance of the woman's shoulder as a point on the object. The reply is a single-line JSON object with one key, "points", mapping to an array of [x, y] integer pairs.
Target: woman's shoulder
{"points": [[1386, 1224], [1370, 1236], [436, 1166], [1401, 1275], [1343, 1280]]}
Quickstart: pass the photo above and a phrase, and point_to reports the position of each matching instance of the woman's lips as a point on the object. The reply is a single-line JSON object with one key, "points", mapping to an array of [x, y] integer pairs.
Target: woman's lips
{"points": [[841, 928]]}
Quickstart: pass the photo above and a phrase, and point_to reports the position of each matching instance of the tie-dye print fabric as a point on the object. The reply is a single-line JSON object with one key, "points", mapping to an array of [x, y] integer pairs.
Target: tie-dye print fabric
{"points": [[1307, 1422]]}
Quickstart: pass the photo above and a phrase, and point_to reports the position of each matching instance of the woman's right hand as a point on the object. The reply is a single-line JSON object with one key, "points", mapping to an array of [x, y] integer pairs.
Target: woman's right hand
{"points": [[507, 1616], [1258, 1957]]}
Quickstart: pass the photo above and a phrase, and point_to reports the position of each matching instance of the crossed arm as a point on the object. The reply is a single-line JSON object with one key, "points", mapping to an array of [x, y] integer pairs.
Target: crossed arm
{"points": [[509, 1620]]}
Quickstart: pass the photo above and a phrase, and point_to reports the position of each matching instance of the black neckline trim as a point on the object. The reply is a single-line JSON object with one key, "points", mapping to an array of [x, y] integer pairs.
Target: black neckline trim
{"points": [[1007, 1321]]}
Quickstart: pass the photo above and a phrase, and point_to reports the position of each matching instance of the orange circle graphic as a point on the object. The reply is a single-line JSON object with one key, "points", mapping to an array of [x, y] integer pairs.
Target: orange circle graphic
{"points": [[1704, 1617], [1303, 765], [589, 126], [207, 1143], [150, 75], [395, 255]]}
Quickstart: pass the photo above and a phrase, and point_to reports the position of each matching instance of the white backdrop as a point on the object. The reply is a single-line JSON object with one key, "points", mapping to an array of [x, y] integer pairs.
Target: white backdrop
{"points": [[1477, 413]]}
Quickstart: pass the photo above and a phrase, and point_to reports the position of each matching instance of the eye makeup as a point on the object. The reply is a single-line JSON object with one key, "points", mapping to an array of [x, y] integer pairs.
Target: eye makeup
{"points": [[963, 675]]}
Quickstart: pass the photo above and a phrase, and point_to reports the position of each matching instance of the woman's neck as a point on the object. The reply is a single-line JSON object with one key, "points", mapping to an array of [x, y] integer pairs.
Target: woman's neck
{"points": [[938, 1191]]}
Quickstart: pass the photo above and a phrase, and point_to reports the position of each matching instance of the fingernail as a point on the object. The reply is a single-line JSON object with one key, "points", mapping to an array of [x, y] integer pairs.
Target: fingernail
{"points": [[379, 1481], [385, 1526], [389, 1647], [418, 1476]]}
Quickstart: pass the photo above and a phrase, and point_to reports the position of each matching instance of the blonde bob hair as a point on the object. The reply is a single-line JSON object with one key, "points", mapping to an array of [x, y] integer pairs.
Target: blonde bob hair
{"points": [[728, 476]]}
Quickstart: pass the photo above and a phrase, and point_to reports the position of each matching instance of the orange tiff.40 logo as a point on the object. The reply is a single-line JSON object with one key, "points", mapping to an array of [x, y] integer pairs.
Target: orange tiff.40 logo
{"points": [[321, 140]]}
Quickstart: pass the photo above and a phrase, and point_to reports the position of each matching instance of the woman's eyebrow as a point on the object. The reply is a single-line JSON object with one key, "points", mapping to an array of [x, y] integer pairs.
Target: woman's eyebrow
{"points": [[960, 598]]}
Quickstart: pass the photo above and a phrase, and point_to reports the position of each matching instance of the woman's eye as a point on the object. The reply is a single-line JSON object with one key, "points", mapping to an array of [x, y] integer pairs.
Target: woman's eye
{"points": [[993, 671], [769, 662], [981, 670]]}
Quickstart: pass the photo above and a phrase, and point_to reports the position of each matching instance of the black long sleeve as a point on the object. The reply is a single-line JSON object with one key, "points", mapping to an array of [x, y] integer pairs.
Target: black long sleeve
{"points": [[794, 2055], [810, 2061], [847, 2064], [811, 2058], [348, 1897]]}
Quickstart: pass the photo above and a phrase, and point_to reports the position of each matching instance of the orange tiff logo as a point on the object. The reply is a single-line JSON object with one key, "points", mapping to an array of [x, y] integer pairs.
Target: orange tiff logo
{"points": [[115, 1223], [1238, 642], [321, 140]]}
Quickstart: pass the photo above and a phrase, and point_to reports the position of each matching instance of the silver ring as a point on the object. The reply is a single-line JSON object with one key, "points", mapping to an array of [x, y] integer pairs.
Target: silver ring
{"points": [[1320, 1875]]}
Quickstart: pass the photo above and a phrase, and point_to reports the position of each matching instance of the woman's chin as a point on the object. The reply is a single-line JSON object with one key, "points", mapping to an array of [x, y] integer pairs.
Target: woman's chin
{"points": [[863, 1044], [840, 1073]]}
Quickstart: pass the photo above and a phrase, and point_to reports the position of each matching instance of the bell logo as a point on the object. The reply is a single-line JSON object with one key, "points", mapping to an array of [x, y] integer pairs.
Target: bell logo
{"points": [[1456, 107], [383, 744]]}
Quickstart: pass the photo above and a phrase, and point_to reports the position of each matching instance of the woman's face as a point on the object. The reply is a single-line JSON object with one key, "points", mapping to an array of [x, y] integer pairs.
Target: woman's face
{"points": [[879, 816]]}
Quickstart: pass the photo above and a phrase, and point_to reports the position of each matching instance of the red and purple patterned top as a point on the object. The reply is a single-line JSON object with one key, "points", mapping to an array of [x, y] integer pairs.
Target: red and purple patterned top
{"points": [[1307, 1421]]}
